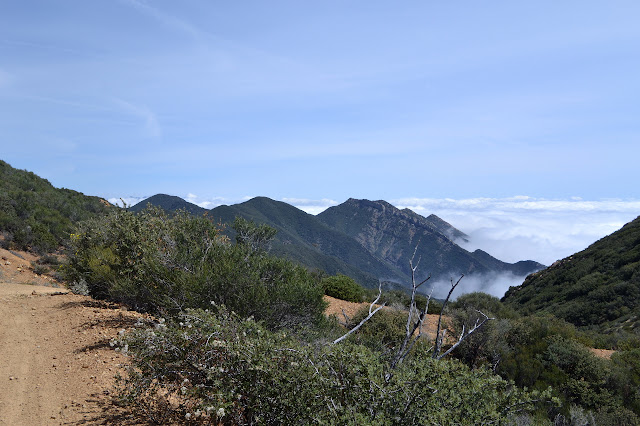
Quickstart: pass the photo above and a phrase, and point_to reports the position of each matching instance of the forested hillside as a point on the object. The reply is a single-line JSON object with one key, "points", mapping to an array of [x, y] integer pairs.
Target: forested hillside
{"points": [[34, 215], [597, 288]]}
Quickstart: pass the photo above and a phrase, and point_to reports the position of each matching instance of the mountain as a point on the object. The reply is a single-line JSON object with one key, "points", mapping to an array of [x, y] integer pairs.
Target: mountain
{"points": [[392, 235], [440, 225], [367, 240], [34, 215], [303, 238], [597, 287], [169, 203]]}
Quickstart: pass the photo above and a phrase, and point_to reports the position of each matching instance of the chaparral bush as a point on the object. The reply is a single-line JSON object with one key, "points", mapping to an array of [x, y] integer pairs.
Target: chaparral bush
{"points": [[164, 264], [221, 369], [343, 287]]}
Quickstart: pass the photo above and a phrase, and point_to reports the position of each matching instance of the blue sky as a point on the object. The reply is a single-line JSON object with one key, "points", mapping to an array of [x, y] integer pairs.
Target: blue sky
{"points": [[521, 104]]}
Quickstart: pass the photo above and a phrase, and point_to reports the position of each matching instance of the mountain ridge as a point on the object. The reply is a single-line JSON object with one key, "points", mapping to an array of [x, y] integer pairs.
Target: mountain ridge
{"points": [[395, 235], [367, 240]]}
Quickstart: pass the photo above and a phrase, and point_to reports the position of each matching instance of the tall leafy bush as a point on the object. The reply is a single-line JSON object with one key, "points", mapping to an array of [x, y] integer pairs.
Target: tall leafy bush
{"points": [[167, 263]]}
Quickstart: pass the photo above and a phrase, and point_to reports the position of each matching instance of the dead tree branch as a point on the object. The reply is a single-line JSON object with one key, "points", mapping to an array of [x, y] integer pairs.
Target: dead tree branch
{"points": [[415, 318], [371, 313], [440, 336], [463, 336]]}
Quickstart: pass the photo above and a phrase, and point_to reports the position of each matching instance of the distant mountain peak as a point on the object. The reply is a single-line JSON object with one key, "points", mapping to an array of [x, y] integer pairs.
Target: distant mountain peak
{"points": [[169, 203]]}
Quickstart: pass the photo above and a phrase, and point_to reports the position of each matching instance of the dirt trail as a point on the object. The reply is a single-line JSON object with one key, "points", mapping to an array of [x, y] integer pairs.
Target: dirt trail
{"points": [[56, 365]]}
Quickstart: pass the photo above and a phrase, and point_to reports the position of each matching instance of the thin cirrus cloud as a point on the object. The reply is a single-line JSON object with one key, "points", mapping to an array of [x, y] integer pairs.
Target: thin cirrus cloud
{"points": [[164, 18], [147, 119]]}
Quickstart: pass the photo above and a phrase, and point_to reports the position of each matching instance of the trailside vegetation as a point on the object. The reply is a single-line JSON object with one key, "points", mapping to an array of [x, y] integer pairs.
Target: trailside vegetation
{"points": [[213, 367], [245, 340], [164, 264], [538, 351]]}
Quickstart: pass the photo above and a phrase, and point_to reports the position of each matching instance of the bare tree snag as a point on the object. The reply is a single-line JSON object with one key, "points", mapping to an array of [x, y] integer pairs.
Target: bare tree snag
{"points": [[415, 318], [463, 336], [440, 336], [415, 321], [371, 313]]}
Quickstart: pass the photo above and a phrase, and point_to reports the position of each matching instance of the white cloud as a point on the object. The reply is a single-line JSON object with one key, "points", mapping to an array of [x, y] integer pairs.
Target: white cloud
{"points": [[522, 228], [310, 206], [495, 284]]}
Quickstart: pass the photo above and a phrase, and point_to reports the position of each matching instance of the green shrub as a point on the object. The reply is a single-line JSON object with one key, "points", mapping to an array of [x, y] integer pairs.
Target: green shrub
{"points": [[220, 369], [343, 287], [48, 259], [384, 331], [165, 264]]}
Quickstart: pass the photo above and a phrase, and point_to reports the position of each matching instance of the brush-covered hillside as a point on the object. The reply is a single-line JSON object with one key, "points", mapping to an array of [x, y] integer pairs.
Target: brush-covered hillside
{"points": [[598, 287], [34, 215]]}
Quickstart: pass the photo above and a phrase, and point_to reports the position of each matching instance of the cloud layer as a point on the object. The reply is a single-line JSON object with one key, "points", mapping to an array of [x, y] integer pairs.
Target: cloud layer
{"points": [[523, 228]]}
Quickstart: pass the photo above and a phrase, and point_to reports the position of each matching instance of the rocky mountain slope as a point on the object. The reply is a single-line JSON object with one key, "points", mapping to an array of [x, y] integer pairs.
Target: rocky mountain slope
{"points": [[393, 235]]}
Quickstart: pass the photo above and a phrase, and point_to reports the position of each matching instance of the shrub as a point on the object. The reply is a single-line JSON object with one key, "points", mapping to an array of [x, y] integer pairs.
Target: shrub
{"points": [[39, 269], [383, 331], [343, 287], [165, 264], [48, 259], [221, 369]]}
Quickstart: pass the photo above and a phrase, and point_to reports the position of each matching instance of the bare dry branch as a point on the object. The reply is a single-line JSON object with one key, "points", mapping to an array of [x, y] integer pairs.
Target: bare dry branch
{"points": [[463, 336], [371, 313], [440, 338]]}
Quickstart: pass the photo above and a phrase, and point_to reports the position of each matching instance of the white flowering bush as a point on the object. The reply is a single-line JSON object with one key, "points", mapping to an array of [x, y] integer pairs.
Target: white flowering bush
{"points": [[206, 368]]}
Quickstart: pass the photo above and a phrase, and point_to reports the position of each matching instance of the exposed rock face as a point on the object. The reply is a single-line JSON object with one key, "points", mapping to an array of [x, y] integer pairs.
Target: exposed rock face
{"points": [[393, 234]]}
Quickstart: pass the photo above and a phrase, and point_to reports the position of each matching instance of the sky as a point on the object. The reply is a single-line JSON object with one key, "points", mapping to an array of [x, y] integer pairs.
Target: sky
{"points": [[517, 122]]}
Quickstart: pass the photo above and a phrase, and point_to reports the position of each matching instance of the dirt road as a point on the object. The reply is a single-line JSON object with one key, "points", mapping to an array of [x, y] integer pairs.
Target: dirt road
{"points": [[56, 365]]}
